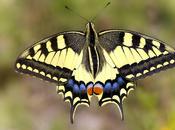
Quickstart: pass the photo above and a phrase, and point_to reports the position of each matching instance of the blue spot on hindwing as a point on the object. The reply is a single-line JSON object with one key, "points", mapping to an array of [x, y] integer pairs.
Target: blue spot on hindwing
{"points": [[70, 83], [82, 88], [120, 81], [115, 86], [107, 87], [76, 89]]}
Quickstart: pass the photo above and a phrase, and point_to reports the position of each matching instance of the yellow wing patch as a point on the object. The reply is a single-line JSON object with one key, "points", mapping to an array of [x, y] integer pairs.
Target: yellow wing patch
{"points": [[61, 42]]}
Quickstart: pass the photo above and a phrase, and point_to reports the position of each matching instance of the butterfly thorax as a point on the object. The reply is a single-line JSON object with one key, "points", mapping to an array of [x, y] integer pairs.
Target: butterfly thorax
{"points": [[93, 58]]}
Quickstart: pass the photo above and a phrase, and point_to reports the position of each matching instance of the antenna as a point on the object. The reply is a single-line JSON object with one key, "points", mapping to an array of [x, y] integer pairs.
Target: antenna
{"points": [[93, 18], [76, 13]]}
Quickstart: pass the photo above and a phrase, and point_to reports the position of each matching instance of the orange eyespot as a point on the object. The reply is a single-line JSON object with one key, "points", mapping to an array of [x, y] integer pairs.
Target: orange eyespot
{"points": [[90, 89], [98, 89]]}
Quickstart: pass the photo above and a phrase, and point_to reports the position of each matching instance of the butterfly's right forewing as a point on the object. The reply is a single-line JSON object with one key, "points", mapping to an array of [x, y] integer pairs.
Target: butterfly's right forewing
{"points": [[52, 59]]}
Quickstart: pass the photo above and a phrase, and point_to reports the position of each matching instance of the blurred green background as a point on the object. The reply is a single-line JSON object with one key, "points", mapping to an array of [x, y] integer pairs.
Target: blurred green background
{"points": [[27, 103]]}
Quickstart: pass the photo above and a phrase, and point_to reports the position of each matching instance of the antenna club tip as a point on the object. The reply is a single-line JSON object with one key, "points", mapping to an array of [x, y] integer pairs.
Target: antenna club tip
{"points": [[108, 3], [66, 7]]}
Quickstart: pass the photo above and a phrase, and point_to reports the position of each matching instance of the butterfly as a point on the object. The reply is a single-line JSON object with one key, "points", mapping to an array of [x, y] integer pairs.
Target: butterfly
{"points": [[105, 64]]}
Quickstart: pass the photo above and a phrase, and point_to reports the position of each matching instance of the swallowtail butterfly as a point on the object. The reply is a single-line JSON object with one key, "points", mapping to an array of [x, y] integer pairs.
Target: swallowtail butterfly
{"points": [[86, 64]]}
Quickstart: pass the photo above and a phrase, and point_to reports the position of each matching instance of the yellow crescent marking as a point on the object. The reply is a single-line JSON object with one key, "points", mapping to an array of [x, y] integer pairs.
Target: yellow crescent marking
{"points": [[152, 68], [129, 85], [30, 68], [61, 88], [24, 66], [68, 94], [138, 74], [130, 76], [36, 70], [115, 97], [48, 75], [76, 100], [145, 71], [159, 66], [55, 78], [61, 42], [42, 73], [165, 63], [122, 91], [63, 80], [128, 39], [171, 61]]}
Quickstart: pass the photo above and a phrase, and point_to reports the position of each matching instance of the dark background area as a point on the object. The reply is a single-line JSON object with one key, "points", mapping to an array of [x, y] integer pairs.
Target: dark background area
{"points": [[28, 103]]}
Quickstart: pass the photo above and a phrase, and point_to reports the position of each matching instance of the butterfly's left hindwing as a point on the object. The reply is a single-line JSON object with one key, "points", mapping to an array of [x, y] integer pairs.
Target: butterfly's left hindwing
{"points": [[55, 59]]}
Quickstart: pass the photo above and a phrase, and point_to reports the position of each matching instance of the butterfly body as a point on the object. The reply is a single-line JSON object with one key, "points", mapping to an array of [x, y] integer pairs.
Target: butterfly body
{"points": [[105, 64]]}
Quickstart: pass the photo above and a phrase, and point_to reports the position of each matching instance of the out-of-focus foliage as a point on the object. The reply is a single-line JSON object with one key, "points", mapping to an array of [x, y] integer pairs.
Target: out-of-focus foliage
{"points": [[30, 104]]}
